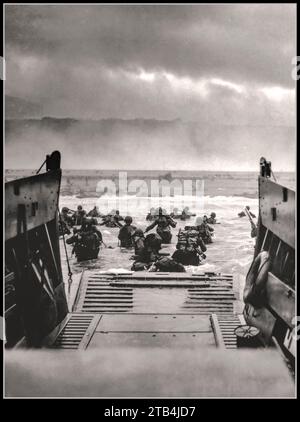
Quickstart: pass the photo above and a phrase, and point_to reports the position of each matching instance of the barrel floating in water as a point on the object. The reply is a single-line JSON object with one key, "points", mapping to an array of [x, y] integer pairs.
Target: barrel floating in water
{"points": [[247, 336]]}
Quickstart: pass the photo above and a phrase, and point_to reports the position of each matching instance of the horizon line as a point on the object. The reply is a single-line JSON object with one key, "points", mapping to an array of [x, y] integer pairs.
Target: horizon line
{"points": [[170, 120], [160, 170]]}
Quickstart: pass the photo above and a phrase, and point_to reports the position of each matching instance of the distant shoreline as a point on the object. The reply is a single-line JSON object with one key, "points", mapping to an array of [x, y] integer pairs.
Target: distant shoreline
{"points": [[140, 183], [147, 172]]}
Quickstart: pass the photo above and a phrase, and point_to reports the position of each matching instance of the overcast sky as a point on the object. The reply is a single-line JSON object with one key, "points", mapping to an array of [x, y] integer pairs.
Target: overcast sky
{"points": [[222, 64]]}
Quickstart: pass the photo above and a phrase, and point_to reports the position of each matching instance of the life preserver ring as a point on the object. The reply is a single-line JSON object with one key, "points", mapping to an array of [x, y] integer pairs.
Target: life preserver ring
{"points": [[256, 279]]}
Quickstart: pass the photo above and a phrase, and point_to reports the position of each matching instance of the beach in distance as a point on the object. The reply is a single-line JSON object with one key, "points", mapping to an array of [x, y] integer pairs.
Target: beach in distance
{"points": [[85, 183]]}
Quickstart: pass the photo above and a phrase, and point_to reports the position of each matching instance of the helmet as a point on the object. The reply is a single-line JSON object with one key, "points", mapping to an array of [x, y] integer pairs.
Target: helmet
{"points": [[128, 219], [79, 208], [248, 208], [64, 209], [138, 232], [153, 240], [213, 214], [162, 211], [198, 221]]}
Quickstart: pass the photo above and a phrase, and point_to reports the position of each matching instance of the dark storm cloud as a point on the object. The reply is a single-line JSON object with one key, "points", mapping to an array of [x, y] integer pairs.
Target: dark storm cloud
{"points": [[81, 60], [213, 64], [241, 43]]}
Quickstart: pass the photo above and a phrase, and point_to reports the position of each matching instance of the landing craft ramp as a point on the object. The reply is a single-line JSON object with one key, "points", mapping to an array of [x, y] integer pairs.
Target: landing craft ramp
{"points": [[150, 335], [151, 310]]}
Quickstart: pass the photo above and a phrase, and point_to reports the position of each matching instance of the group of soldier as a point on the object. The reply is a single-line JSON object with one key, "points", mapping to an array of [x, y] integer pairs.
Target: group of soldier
{"points": [[185, 214], [192, 241], [86, 238], [190, 246]]}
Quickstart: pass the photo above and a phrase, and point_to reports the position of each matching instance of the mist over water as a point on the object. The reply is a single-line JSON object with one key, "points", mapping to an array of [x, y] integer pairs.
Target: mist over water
{"points": [[148, 144]]}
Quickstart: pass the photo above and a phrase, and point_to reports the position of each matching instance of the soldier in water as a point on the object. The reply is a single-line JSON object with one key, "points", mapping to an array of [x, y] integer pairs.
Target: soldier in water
{"points": [[186, 214], [190, 248], [243, 213], [118, 217], [204, 229], [151, 215], [175, 213], [112, 219], [79, 215], [86, 241], [148, 253], [94, 212], [126, 232], [138, 241], [212, 219], [164, 224], [65, 221]]}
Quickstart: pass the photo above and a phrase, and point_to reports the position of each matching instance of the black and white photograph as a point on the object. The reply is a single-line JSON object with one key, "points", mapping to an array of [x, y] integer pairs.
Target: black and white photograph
{"points": [[149, 203]]}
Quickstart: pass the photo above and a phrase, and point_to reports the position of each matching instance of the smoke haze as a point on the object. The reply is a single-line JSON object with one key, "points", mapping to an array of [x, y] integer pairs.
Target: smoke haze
{"points": [[148, 145]]}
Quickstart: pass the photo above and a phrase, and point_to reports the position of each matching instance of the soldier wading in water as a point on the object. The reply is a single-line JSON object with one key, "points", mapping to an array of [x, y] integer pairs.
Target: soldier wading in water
{"points": [[86, 241], [164, 224], [126, 232]]}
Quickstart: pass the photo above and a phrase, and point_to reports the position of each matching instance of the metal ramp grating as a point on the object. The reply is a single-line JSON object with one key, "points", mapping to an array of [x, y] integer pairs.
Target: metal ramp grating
{"points": [[155, 293], [223, 327], [211, 299], [77, 332], [99, 296]]}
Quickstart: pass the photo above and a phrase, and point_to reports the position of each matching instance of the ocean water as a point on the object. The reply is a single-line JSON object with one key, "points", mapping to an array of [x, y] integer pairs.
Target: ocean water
{"points": [[225, 193], [232, 249]]}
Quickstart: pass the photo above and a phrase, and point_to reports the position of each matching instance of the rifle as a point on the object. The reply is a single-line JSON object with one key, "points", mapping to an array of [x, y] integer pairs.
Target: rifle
{"points": [[253, 225]]}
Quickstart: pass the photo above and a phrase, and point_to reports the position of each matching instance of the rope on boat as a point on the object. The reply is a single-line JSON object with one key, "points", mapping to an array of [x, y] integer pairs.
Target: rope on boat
{"points": [[41, 166], [273, 175], [70, 280]]}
